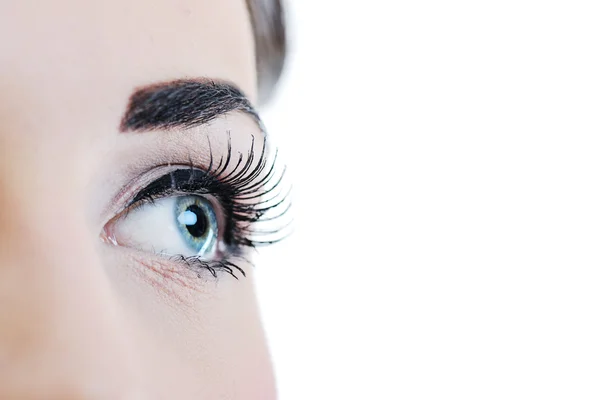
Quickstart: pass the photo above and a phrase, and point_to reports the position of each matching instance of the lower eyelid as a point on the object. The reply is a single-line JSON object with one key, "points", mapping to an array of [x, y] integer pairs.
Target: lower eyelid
{"points": [[178, 270], [169, 278]]}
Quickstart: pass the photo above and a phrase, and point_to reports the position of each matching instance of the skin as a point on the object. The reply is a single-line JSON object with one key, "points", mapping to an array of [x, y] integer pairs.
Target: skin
{"points": [[81, 318]]}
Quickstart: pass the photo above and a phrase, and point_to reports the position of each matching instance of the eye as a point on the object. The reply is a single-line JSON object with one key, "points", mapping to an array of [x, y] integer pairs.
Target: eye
{"points": [[204, 219], [178, 225]]}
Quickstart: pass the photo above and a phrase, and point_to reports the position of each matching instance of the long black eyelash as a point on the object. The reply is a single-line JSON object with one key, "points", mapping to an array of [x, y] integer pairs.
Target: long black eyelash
{"points": [[251, 193], [197, 264]]}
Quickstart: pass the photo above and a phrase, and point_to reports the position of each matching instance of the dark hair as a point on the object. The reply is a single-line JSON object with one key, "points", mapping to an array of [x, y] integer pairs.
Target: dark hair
{"points": [[268, 24]]}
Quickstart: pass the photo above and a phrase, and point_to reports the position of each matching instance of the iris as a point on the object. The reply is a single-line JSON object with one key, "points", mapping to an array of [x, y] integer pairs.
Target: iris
{"points": [[197, 224]]}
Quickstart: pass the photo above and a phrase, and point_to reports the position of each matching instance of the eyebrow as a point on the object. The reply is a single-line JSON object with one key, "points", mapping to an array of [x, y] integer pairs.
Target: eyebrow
{"points": [[183, 104]]}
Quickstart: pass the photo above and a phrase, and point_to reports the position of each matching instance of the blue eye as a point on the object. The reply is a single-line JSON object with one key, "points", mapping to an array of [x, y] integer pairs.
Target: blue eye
{"points": [[178, 226], [197, 223], [202, 219]]}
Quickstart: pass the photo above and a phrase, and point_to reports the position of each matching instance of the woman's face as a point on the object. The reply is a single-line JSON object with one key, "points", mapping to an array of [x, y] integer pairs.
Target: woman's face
{"points": [[111, 228]]}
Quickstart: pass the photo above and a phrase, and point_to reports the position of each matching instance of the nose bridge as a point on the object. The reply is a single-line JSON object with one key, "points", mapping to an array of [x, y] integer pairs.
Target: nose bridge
{"points": [[59, 324]]}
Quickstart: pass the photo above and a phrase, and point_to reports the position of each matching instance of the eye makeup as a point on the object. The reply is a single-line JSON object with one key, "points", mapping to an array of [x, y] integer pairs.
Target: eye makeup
{"points": [[248, 192]]}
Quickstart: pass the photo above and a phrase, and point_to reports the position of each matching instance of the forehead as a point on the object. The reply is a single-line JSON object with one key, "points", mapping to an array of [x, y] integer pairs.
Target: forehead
{"points": [[79, 59]]}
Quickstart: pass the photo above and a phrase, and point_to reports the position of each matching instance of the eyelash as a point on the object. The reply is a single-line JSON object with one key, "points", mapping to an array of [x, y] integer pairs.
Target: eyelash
{"points": [[246, 194]]}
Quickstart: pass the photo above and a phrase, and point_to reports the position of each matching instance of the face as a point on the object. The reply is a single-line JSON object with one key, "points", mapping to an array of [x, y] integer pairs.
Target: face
{"points": [[134, 179]]}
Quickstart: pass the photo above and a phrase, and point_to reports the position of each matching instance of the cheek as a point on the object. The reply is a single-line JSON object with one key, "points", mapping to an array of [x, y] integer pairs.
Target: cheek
{"points": [[204, 336], [241, 340]]}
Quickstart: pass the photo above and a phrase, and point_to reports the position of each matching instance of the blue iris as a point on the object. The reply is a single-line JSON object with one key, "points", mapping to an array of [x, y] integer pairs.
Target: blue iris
{"points": [[197, 223]]}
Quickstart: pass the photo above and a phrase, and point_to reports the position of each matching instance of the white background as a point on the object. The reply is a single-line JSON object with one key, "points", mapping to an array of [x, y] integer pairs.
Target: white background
{"points": [[446, 163]]}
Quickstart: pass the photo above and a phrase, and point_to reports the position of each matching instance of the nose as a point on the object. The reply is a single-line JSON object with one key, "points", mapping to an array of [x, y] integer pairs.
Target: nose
{"points": [[61, 335]]}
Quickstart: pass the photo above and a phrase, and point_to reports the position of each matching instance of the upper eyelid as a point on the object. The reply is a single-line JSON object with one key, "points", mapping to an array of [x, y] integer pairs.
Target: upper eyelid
{"points": [[250, 172], [166, 190], [125, 196], [134, 155]]}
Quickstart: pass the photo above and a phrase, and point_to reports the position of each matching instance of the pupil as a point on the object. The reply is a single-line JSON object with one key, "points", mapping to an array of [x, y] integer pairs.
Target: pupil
{"points": [[197, 229]]}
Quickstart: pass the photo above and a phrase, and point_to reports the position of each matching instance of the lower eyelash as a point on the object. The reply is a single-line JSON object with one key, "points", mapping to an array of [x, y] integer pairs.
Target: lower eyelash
{"points": [[197, 264]]}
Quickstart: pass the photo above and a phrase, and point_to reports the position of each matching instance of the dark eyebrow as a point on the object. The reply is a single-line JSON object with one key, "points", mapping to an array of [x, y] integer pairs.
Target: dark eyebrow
{"points": [[183, 104]]}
